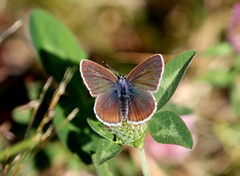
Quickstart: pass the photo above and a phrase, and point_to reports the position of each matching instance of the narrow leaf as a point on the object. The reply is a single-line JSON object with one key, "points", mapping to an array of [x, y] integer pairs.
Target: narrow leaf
{"points": [[168, 128], [16, 148], [172, 76], [106, 150]]}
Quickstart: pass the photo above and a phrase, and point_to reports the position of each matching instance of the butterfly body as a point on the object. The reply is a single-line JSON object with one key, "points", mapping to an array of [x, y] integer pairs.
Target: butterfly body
{"points": [[126, 98], [123, 96]]}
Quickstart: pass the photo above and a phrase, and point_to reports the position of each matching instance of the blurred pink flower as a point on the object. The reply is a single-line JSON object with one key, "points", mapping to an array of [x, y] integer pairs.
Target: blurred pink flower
{"points": [[171, 153], [233, 33]]}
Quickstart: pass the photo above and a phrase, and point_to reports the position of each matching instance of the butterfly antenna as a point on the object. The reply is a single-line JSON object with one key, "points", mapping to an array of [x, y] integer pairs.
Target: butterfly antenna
{"points": [[110, 68]]}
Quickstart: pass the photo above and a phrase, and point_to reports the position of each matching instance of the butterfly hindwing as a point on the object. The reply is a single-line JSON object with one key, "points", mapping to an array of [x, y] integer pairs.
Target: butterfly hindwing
{"points": [[147, 75], [97, 78], [107, 108], [142, 105]]}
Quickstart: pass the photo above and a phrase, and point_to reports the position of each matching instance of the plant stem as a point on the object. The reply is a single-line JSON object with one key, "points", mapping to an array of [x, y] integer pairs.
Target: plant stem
{"points": [[143, 161]]}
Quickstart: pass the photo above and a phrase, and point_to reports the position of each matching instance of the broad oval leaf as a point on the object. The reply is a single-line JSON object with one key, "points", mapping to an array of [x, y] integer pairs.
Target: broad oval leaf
{"points": [[106, 150], [50, 35], [168, 128], [58, 49], [172, 76]]}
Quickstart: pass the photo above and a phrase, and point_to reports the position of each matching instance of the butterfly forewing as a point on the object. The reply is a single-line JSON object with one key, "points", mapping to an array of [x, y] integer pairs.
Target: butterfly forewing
{"points": [[97, 78], [107, 108], [142, 106], [147, 75]]}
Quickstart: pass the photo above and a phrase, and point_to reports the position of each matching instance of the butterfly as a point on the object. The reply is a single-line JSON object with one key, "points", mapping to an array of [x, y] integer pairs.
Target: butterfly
{"points": [[120, 97]]}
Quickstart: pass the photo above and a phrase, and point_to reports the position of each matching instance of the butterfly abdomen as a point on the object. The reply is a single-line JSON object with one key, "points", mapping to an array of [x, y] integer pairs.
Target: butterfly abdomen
{"points": [[123, 102], [123, 97]]}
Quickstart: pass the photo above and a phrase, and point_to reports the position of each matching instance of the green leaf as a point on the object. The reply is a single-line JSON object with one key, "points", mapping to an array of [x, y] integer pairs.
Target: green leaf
{"points": [[223, 48], [58, 49], [102, 170], [227, 134], [98, 128], [220, 78], [34, 89], [139, 143], [172, 76], [106, 150], [77, 134], [168, 128], [181, 110], [22, 114], [236, 66], [16, 148], [50, 35]]}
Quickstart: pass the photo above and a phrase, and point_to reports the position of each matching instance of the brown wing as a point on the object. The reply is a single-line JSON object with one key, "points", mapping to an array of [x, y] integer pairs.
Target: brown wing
{"points": [[97, 78], [107, 108], [147, 75], [142, 106]]}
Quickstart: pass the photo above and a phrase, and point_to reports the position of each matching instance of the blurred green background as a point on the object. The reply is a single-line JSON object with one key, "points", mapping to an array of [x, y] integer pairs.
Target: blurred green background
{"points": [[123, 33]]}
